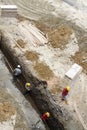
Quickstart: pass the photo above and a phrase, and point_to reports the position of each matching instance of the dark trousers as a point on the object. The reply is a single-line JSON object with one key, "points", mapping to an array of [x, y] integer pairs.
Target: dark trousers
{"points": [[15, 78], [26, 92]]}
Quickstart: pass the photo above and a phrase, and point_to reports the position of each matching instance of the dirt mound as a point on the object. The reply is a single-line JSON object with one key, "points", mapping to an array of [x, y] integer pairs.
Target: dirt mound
{"points": [[6, 111]]}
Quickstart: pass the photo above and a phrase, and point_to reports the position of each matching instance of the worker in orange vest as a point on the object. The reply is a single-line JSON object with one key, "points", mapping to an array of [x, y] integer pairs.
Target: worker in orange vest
{"points": [[65, 92]]}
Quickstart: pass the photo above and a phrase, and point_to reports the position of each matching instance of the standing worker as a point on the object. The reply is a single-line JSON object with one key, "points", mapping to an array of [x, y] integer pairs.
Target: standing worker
{"points": [[65, 92], [28, 88], [16, 72]]}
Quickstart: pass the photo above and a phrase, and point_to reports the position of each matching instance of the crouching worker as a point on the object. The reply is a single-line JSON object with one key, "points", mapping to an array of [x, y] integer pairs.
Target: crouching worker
{"points": [[28, 88], [16, 72], [45, 116]]}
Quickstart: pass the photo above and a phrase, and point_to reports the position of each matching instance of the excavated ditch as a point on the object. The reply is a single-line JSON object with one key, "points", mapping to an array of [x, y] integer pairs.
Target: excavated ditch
{"points": [[39, 93]]}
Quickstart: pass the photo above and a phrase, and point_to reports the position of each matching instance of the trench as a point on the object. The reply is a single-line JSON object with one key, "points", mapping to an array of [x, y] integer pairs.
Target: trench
{"points": [[39, 94]]}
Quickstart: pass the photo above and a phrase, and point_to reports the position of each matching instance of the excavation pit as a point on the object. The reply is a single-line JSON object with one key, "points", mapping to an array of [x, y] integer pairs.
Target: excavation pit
{"points": [[39, 93]]}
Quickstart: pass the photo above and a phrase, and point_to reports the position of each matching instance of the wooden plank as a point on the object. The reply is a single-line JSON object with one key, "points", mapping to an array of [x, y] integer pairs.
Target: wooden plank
{"points": [[32, 34]]}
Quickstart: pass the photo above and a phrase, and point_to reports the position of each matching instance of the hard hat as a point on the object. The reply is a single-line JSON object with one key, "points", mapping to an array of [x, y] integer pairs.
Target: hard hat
{"points": [[47, 114], [28, 84], [18, 66], [68, 88]]}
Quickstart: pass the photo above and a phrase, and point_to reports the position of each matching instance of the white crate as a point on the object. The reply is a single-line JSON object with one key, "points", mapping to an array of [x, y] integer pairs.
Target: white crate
{"points": [[9, 7], [8, 10], [74, 71]]}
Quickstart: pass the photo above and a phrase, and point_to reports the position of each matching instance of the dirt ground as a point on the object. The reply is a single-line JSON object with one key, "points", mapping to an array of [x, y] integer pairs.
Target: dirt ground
{"points": [[6, 108], [59, 36], [81, 58], [43, 70], [63, 26], [33, 56]]}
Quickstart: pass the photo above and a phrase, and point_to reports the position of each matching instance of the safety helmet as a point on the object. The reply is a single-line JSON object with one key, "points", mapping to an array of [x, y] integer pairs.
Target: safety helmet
{"points": [[47, 114], [28, 84], [18, 66], [68, 88]]}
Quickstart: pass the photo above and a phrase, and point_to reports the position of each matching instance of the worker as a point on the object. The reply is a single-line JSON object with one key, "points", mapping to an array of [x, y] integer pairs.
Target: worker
{"points": [[28, 88], [45, 116], [17, 72], [65, 92]]}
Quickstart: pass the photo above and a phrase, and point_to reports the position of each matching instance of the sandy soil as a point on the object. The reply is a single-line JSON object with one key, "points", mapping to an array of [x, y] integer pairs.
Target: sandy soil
{"points": [[6, 108], [63, 26]]}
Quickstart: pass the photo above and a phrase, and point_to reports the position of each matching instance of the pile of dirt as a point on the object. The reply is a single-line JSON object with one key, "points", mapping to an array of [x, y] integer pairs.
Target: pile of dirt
{"points": [[43, 71], [31, 55], [81, 59], [6, 111], [21, 43]]}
